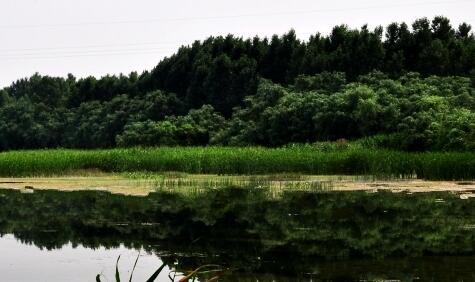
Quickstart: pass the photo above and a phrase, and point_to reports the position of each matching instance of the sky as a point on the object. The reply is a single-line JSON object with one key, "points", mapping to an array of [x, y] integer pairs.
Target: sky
{"points": [[100, 37]]}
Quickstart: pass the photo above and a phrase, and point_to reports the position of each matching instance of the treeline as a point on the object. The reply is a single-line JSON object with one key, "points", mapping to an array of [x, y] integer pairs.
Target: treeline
{"points": [[410, 113], [408, 88]]}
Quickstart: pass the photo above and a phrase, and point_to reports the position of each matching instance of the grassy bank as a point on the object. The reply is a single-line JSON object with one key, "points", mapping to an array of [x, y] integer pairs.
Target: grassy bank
{"points": [[248, 160]]}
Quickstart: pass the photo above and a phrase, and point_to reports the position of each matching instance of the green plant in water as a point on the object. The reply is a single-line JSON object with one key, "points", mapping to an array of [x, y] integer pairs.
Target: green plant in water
{"points": [[216, 270], [117, 274]]}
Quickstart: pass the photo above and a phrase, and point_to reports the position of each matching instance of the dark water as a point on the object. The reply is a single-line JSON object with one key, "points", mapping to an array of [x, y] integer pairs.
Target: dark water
{"points": [[297, 236]]}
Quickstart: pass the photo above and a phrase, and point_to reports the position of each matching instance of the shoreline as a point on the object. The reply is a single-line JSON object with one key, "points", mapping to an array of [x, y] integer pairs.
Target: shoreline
{"points": [[146, 184]]}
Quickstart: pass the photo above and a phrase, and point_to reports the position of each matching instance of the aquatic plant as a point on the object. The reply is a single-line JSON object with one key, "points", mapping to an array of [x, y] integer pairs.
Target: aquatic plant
{"points": [[210, 269], [304, 159]]}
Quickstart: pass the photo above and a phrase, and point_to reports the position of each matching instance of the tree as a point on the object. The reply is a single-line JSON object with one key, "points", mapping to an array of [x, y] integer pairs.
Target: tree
{"points": [[196, 128], [463, 31], [269, 91]]}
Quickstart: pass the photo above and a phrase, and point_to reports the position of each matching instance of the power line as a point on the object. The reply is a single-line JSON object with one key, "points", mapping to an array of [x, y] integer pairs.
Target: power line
{"points": [[91, 46], [86, 55], [52, 53], [139, 21], [85, 52]]}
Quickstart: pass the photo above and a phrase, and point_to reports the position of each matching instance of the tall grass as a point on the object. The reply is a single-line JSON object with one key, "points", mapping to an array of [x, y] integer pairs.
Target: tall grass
{"points": [[243, 160]]}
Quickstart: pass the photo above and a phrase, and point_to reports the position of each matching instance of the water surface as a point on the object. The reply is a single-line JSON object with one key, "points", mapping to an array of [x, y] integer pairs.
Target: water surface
{"points": [[305, 236], [20, 261]]}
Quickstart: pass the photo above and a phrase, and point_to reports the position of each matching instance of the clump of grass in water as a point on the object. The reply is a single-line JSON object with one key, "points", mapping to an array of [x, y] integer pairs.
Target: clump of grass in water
{"points": [[117, 274], [216, 270]]}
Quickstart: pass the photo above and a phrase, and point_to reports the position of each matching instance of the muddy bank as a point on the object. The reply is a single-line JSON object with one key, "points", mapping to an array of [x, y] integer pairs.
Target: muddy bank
{"points": [[143, 185]]}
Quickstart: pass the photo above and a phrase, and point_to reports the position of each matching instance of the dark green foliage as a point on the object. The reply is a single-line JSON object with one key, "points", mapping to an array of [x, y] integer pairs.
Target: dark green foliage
{"points": [[196, 128], [415, 85], [26, 125], [416, 114], [325, 82], [318, 159], [434, 113]]}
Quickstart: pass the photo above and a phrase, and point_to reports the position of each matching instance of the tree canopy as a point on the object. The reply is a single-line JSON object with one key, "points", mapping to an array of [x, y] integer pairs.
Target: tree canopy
{"points": [[400, 87]]}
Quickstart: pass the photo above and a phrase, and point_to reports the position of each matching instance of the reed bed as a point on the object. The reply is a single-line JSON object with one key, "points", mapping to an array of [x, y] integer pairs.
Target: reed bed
{"points": [[243, 160]]}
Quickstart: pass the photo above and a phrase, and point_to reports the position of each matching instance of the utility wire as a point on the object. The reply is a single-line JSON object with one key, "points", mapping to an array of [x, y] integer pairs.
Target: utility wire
{"points": [[86, 55], [14, 53], [91, 46], [85, 52], [70, 50], [139, 21]]}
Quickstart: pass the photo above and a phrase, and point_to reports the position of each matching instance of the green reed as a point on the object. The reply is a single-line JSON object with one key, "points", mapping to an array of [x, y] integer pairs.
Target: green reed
{"points": [[304, 159]]}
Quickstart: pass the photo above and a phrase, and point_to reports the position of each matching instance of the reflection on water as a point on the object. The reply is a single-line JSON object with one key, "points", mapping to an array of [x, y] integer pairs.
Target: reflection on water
{"points": [[24, 262], [318, 236]]}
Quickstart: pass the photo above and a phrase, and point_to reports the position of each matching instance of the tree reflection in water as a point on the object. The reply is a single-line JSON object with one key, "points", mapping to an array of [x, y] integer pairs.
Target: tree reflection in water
{"points": [[320, 235]]}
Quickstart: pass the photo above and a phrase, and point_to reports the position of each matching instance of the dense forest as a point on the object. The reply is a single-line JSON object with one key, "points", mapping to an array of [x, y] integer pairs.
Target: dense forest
{"points": [[399, 87]]}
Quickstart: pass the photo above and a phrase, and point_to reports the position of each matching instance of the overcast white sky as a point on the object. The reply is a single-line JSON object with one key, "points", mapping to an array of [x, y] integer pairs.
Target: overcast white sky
{"points": [[99, 37]]}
